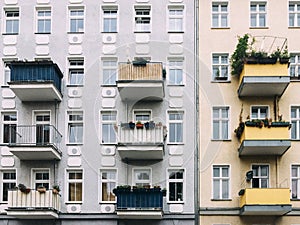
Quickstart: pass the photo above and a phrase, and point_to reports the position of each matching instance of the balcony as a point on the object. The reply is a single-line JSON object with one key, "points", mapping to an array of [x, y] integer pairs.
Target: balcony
{"points": [[33, 205], [141, 81], [36, 81], [139, 203], [265, 201], [263, 80], [35, 142], [141, 144], [262, 139]]}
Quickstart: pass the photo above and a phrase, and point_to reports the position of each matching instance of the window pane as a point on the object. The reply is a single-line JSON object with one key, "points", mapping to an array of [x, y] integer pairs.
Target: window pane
{"points": [[216, 189], [225, 189]]}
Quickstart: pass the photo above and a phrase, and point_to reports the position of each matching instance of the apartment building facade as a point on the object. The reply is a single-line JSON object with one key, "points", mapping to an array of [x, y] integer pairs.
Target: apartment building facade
{"points": [[249, 130], [97, 98]]}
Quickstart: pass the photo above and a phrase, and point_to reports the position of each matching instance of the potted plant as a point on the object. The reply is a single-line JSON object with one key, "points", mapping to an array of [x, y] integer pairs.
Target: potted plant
{"points": [[24, 189], [284, 56], [139, 125], [41, 189], [131, 125], [55, 189]]}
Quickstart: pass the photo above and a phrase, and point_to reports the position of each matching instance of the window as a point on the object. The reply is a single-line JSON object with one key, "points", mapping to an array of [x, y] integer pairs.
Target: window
{"points": [[220, 123], [294, 67], [43, 21], [109, 71], [75, 127], [75, 185], [108, 183], [260, 176], [9, 121], [12, 21], [176, 19], [295, 182], [220, 64], [42, 121], [110, 20], [175, 127], [258, 14], [295, 120], [76, 71], [142, 177], [143, 116], [142, 19], [175, 72], [6, 77], [259, 112], [294, 14], [220, 182], [219, 14], [175, 185], [41, 178], [108, 121], [76, 20], [8, 181]]}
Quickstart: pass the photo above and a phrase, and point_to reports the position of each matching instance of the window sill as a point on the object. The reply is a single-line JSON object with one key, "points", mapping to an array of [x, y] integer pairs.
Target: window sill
{"points": [[106, 144], [175, 143], [176, 85], [74, 85], [220, 81], [175, 32], [220, 28], [294, 27], [46, 33], [10, 33], [142, 32], [75, 203], [178, 202], [223, 140], [74, 144], [75, 32], [295, 199], [220, 200], [108, 85], [107, 202], [109, 32], [5, 86], [258, 27]]}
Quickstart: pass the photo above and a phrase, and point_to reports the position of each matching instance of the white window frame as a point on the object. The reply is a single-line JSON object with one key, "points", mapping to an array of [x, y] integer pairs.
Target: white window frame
{"points": [[13, 182], [294, 63], [142, 112], [295, 121], [77, 18], [111, 66], [220, 69], [178, 17], [259, 107], [170, 121], [294, 14], [112, 181], [75, 122], [44, 19], [257, 13], [68, 181], [142, 27], [297, 179], [176, 64], [110, 16], [34, 171], [219, 13], [260, 177], [8, 122], [144, 182], [112, 122], [15, 19], [220, 121], [179, 180], [76, 67], [221, 179]]}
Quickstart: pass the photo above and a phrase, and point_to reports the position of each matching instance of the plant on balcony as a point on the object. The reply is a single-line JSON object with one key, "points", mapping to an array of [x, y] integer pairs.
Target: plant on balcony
{"points": [[139, 125], [41, 189], [24, 189], [238, 56], [149, 125], [122, 188], [55, 189]]}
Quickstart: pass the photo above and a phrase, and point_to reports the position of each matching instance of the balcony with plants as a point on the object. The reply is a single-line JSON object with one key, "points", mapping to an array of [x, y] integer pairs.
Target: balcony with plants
{"points": [[27, 203], [141, 141], [261, 63], [34, 142], [141, 80], [139, 202], [263, 137], [36, 80]]}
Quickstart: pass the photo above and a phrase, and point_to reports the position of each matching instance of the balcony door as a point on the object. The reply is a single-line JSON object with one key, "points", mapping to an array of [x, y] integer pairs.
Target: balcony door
{"points": [[142, 116], [42, 125], [260, 176], [41, 178]]}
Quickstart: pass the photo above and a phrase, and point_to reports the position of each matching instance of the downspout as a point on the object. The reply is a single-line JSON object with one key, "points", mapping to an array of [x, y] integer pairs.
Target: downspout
{"points": [[196, 111]]}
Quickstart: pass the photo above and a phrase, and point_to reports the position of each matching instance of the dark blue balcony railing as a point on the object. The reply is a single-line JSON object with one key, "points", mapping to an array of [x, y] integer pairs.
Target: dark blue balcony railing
{"points": [[144, 199], [36, 71]]}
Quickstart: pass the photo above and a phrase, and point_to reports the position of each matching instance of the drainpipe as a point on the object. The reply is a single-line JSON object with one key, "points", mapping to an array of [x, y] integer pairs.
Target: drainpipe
{"points": [[196, 111]]}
